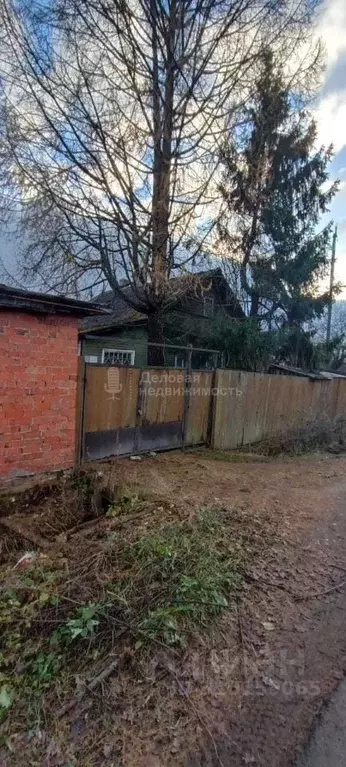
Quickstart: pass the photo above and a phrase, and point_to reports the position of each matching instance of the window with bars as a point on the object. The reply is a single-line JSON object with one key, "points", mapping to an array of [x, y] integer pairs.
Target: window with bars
{"points": [[180, 361], [208, 306], [118, 357]]}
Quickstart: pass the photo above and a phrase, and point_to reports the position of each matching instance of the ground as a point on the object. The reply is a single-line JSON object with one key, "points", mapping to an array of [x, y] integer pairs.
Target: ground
{"points": [[247, 686]]}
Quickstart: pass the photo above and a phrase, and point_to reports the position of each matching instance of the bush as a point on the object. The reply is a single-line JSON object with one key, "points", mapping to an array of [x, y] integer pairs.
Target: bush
{"points": [[321, 434]]}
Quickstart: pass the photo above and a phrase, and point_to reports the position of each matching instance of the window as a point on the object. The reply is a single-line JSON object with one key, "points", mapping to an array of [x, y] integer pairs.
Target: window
{"points": [[208, 306], [179, 361], [118, 357], [91, 358]]}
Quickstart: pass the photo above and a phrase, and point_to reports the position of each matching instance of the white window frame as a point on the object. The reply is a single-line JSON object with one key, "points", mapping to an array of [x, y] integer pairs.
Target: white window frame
{"points": [[208, 300], [92, 359], [119, 351], [179, 358]]}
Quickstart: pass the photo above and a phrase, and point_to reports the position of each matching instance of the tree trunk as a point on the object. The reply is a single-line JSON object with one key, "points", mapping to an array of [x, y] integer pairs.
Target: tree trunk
{"points": [[254, 304], [156, 356], [162, 155]]}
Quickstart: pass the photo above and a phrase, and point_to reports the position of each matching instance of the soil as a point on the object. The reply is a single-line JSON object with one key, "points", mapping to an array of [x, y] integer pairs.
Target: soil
{"points": [[249, 690]]}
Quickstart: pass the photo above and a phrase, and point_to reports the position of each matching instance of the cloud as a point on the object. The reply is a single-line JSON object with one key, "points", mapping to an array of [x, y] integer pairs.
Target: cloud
{"points": [[331, 28], [331, 121], [331, 110]]}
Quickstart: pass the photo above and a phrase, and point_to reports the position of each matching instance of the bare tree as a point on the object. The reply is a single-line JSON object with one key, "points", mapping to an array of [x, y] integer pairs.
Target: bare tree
{"points": [[113, 115]]}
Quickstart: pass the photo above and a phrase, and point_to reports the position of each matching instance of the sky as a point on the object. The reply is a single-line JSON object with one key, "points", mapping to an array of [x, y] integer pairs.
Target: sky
{"points": [[331, 115]]}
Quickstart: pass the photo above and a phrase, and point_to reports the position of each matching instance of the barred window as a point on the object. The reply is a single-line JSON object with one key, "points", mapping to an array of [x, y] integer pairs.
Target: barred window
{"points": [[208, 306], [118, 357], [180, 361]]}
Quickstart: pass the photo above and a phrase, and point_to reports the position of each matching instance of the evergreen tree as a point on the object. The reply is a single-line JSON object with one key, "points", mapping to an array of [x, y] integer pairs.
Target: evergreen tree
{"points": [[274, 195]]}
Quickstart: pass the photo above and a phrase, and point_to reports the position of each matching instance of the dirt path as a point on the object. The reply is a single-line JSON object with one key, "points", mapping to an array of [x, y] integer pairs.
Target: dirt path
{"points": [[327, 747], [292, 651], [305, 655]]}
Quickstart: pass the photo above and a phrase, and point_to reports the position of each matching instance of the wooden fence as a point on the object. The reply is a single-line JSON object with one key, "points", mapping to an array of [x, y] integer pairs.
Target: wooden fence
{"points": [[128, 410], [252, 406]]}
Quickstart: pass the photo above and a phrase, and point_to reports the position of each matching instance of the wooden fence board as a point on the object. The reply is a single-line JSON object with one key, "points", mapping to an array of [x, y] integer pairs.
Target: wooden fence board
{"points": [[110, 397], [261, 405], [198, 407], [162, 397]]}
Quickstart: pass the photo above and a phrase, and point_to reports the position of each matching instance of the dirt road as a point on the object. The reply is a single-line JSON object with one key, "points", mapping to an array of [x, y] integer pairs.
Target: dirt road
{"points": [[292, 624], [327, 747]]}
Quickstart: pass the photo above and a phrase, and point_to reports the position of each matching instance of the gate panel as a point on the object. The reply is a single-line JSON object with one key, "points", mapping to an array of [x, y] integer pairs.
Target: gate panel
{"points": [[110, 411], [127, 410], [198, 407], [161, 409]]}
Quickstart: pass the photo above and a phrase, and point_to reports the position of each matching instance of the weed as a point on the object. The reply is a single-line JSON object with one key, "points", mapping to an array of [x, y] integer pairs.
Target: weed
{"points": [[44, 669], [6, 700], [326, 434], [159, 584], [83, 625], [126, 501], [163, 623], [188, 571], [231, 456]]}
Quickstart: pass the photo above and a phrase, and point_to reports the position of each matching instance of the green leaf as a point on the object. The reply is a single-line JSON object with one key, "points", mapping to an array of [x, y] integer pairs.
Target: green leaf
{"points": [[6, 699]]}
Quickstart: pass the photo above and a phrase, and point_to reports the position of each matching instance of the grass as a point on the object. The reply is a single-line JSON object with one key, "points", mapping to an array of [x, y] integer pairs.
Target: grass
{"points": [[139, 577], [181, 577], [322, 434], [232, 456]]}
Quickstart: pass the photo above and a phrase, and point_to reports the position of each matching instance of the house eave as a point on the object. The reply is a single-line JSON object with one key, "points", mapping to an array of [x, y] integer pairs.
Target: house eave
{"points": [[14, 299], [97, 330]]}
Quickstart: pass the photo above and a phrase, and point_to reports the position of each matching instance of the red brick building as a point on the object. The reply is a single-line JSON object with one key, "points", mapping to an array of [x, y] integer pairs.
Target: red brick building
{"points": [[38, 381]]}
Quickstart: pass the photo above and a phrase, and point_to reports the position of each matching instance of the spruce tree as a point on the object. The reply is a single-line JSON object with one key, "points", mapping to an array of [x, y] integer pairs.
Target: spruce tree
{"points": [[274, 192]]}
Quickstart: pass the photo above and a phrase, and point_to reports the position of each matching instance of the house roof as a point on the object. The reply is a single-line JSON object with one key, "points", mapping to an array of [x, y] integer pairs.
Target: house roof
{"points": [[122, 314], [342, 369], [46, 303], [331, 374], [292, 371]]}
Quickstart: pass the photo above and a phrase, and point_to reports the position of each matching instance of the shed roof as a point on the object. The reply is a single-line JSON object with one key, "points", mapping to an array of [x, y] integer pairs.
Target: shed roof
{"points": [[279, 368], [46, 303]]}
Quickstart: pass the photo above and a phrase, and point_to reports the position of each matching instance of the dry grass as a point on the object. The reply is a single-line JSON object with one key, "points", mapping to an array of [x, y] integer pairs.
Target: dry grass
{"points": [[324, 434], [121, 573], [230, 456]]}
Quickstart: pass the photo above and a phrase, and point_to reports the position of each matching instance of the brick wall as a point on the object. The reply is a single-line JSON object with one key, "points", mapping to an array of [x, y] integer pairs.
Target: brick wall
{"points": [[38, 380]]}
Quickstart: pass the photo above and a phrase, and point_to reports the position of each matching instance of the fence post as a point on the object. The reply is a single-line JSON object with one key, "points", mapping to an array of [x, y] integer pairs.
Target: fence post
{"points": [[212, 409], [187, 401], [139, 410], [80, 408]]}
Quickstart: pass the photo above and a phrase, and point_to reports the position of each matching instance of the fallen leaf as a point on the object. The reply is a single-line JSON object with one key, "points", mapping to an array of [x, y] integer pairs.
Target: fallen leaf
{"points": [[268, 626]]}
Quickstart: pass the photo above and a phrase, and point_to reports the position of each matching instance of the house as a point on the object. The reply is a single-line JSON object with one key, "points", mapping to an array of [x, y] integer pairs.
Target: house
{"points": [[122, 337], [38, 380]]}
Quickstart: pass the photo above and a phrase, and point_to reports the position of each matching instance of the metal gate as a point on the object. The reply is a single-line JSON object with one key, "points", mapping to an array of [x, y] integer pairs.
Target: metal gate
{"points": [[126, 410]]}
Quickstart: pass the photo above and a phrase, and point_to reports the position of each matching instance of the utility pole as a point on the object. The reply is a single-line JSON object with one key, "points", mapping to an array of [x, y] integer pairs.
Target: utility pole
{"points": [[331, 286]]}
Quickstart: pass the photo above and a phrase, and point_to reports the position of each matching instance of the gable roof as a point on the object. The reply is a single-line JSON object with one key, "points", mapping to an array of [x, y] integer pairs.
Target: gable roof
{"points": [[46, 303], [123, 315]]}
